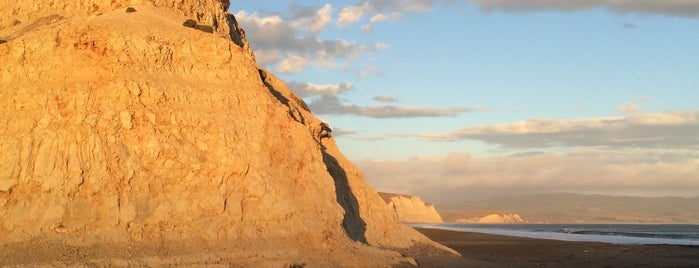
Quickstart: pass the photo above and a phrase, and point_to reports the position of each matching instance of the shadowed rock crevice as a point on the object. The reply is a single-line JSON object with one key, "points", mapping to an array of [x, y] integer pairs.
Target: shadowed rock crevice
{"points": [[354, 225], [293, 111], [236, 33]]}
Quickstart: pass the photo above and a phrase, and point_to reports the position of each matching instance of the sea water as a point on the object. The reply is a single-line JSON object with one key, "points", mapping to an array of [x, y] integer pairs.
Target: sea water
{"points": [[673, 234]]}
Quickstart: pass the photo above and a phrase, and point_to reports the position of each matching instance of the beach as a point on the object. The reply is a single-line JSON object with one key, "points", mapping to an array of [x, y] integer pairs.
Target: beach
{"points": [[486, 250]]}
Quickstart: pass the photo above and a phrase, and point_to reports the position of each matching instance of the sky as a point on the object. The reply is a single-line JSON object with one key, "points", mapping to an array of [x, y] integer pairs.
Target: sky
{"points": [[454, 98]]}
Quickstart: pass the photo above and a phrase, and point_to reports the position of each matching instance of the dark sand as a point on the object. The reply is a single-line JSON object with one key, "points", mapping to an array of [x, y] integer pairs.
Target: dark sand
{"points": [[485, 250]]}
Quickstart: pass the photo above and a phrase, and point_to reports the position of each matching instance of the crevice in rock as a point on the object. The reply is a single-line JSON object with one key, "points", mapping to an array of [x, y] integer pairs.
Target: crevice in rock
{"points": [[293, 111], [352, 223], [237, 34]]}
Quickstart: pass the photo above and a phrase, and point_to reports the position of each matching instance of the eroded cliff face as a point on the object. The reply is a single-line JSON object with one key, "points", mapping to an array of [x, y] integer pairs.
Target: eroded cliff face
{"points": [[36, 13], [124, 127], [411, 209]]}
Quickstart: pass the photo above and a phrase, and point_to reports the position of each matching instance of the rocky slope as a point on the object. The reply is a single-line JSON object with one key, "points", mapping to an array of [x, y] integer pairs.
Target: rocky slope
{"points": [[411, 209], [128, 131]]}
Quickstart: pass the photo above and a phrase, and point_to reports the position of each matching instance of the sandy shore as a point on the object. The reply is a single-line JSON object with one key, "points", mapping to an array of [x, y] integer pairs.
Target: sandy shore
{"points": [[485, 250]]}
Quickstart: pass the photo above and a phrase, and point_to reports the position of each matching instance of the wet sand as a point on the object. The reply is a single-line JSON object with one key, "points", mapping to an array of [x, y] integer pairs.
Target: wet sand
{"points": [[486, 250]]}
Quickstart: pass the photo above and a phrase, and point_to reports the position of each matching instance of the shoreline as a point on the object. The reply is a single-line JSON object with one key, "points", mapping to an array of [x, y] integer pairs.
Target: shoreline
{"points": [[489, 250]]}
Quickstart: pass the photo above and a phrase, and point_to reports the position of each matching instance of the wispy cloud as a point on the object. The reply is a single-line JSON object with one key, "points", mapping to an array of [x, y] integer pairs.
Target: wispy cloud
{"points": [[305, 89], [312, 20], [370, 138], [385, 98], [629, 26], [341, 132], [370, 70], [637, 130], [376, 11], [679, 8], [325, 99], [352, 14], [629, 108], [332, 105]]}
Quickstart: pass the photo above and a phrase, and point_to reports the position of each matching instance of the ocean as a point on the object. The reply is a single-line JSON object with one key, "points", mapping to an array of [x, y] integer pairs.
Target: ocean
{"points": [[672, 234]]}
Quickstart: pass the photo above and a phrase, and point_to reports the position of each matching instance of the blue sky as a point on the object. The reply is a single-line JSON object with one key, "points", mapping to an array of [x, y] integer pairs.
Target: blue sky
{"points": [[430, 96]]}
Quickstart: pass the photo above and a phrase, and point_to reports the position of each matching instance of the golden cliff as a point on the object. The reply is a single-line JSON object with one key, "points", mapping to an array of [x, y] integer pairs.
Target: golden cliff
{"points": [[129, 139], [411, 209]]}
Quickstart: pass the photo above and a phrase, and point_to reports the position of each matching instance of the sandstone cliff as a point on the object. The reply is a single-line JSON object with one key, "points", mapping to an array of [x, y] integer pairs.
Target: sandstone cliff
{"points": [[126, 130], [495, 219], [411, 209]]}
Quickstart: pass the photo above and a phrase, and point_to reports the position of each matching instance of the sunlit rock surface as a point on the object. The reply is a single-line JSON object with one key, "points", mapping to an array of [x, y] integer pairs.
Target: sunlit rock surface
{"points": [[411, 209], [128, 138]]}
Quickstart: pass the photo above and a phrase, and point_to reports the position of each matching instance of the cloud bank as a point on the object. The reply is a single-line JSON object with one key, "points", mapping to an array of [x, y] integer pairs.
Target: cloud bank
{"points": [[645, 172], [635, 130]]}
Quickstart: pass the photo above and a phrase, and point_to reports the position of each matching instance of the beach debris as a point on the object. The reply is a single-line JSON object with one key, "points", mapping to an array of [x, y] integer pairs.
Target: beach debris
{"points": [[205, 28], [190, 23], [130, 10], [2, 41]]}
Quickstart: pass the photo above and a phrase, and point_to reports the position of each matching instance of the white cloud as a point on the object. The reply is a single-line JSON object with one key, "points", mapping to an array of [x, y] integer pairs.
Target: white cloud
{"points": [[629, 108], [332, 105], [369, 71], [353, 14], [314, 22], [379, 18], [305, 89], [325, 99], [639, 130], [293, 45], [292, 64], [268, 57], [370, 138]]}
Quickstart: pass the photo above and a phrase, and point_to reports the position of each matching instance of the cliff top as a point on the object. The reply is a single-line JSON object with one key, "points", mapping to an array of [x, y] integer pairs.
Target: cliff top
{"points": [[212, 13], [387, 197]]}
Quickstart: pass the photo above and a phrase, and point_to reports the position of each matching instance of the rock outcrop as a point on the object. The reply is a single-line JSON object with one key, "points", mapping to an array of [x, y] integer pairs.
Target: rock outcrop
{"points": [[130, 139], [411, 209], [495, 219]]}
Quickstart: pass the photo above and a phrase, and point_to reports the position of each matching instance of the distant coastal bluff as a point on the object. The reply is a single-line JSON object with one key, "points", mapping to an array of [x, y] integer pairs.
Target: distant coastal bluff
{"points": [[130, 138], [411, 209]]}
